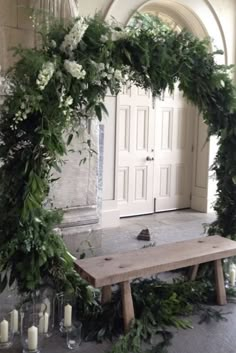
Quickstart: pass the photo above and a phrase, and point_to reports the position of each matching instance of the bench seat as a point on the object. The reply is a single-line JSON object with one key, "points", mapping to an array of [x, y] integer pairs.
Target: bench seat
{"points": [[103, 271]]}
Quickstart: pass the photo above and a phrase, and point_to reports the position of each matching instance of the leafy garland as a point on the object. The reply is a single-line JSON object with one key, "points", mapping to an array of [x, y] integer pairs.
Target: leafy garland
{"points": [[158, 305], [56, 89]]}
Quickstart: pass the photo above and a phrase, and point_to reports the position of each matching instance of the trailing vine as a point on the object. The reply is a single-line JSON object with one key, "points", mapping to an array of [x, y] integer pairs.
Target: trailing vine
{"points": [[158, 306]]}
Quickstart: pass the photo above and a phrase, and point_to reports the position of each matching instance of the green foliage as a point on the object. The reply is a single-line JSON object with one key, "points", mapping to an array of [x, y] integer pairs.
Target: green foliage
{"points": [[158, 305]]}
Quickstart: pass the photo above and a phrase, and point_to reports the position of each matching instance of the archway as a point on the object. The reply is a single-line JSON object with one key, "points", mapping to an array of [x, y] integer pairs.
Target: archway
{"points": [[188, 16]]}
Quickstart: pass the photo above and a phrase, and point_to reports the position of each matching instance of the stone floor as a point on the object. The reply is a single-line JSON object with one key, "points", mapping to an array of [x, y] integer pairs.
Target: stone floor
{"points": [[164, 227]]}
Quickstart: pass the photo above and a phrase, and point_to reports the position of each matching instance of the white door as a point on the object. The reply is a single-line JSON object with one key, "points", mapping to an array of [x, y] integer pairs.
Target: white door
{"points": [[173, 152], [136, 146]]}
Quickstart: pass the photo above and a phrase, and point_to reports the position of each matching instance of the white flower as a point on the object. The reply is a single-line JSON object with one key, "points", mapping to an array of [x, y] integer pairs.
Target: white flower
{"points": [[45, 75], [118, 75], [68, 101], [116, 35], [75, 35], [53, 43], [101, 66], [104, 38], [76, 70]]}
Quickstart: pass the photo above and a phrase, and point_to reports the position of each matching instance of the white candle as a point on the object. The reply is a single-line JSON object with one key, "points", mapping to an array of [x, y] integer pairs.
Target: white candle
{"points": [[14, 321], [4, 326], [67, 315], [46, 322], [41, 323], [33, 338], [46, 301], [232, 276]]}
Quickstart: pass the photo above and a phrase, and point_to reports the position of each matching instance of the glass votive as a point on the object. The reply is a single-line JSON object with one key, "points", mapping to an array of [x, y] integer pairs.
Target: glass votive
{"points": [[48, 297], [32, 326], [6, 334], [73, 336], [66, 311], [9, 308]]}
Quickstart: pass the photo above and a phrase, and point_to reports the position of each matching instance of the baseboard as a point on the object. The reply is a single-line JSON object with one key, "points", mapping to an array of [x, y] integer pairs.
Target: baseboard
{"points": [[110, 218]]}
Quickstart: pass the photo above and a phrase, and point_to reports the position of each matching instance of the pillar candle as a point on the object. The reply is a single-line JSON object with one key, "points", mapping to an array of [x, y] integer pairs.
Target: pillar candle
{"points": [[46, 322], [46, 301], [232, 276], [4, 327], [67, 315], [41, 323], [14, 321], [33, 338]]}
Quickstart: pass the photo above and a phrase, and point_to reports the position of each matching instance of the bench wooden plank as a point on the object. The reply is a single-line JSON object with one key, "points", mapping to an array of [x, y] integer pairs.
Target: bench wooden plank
{"points": [[106, 270]]}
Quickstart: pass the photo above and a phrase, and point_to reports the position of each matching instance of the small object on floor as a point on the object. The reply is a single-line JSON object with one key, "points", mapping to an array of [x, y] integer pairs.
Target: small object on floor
{"points": [[144, 235]]}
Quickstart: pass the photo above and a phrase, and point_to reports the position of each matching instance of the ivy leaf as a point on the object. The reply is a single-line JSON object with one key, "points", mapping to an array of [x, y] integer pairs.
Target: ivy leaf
{"points": [[234, 179], [70, 137], [98, 112], [127, 54], [3, 284]]}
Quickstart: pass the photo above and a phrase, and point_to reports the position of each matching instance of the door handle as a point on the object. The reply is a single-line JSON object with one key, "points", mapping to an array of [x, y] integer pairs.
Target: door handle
{"points": [[149, 159]]}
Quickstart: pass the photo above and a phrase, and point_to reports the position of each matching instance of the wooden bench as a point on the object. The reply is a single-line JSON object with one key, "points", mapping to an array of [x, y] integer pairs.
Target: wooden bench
{"points": [[103, 271]]}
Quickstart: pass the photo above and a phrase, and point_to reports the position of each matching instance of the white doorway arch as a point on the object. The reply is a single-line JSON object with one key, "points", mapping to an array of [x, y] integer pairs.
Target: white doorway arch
{"points": [[202, 21]]}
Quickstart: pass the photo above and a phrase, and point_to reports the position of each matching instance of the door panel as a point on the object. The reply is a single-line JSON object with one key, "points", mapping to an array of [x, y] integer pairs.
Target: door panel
{"points": [[173, 152], [136, 142]]}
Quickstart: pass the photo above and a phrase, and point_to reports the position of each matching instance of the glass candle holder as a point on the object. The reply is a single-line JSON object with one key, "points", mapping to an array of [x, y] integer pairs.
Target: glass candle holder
{"points": [[73, 336], [66, 311], [6, 334], [9, 308], [48, 297], [32, 326]]}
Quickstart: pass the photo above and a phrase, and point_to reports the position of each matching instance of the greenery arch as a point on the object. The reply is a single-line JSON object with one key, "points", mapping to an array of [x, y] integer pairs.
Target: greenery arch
{"points": [[55, 88]]}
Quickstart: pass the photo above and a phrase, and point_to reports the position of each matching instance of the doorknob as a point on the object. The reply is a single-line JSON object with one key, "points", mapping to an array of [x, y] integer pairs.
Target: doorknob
{"points": [[148, 158]]}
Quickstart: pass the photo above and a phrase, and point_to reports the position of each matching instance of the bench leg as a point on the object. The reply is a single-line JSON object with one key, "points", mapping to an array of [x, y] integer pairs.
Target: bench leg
{"points": [[127, 303], [220, 287], [193, 272], [106, 294]]}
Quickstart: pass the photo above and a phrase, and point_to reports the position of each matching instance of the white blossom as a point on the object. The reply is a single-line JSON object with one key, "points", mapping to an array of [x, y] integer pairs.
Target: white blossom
{"points": [[101, 66], [68, 101], [53, 43], [65, 103], [118, 75], [76, 70], [75, 35], [45, 75], [116, 35], [104, 38]]}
